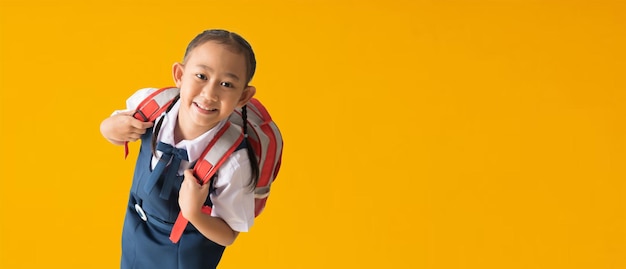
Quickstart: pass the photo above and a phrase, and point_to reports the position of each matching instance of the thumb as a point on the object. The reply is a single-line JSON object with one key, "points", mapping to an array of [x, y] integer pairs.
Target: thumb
{"points": [[204, 188], [189, 176], [146, 125]]}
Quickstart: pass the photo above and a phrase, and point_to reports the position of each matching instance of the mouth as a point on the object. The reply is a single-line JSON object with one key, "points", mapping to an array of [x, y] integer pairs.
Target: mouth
{"points": [[208, 109]]}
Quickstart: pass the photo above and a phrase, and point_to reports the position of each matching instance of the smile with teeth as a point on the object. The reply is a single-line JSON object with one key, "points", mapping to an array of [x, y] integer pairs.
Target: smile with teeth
{"points": [[205, 108]]}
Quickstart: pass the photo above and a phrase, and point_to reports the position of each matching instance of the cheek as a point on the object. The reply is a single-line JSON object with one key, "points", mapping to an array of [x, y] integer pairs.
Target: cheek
{"points": [[234, 99], [186, 97], [188, 89]]}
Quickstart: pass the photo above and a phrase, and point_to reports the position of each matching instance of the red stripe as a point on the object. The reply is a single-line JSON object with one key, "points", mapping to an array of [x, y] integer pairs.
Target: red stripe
{"points": [[223, 159], [151, 96], [259, 205], [207, 175], [181, 223], [264, 179], [264, 114], [125, 149], [178, 228], [280, 157]]}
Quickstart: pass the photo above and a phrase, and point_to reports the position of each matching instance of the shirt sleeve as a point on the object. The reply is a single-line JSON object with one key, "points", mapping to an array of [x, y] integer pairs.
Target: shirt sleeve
{"points": [[233, 199], [133, 101]]}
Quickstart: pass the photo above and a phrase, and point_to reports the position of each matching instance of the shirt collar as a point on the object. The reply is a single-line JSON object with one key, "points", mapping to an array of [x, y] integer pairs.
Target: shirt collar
{"points": [[194, 147]]}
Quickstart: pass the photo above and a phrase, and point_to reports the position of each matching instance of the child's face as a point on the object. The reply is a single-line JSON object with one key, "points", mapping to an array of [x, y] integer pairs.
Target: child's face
{"points": [[212, 84]]}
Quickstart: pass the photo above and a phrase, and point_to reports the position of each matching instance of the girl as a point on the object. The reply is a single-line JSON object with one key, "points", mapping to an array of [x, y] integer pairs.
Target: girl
{"points": [[213, 81]]}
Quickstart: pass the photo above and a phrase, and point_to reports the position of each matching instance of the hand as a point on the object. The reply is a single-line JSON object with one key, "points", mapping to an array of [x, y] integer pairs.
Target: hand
{"points": [[192, 196], [123, 127]]}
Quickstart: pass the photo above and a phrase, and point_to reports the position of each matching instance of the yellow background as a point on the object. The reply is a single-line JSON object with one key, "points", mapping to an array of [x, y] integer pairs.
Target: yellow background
{"points": [[418, 134]]}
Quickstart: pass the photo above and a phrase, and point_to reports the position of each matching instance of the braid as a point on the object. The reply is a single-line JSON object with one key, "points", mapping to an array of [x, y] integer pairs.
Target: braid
{"points": [[253, 162], [157, 128]]}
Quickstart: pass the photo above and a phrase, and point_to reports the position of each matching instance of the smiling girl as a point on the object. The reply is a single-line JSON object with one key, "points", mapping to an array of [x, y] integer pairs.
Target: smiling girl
{"points": [[213, 81]]}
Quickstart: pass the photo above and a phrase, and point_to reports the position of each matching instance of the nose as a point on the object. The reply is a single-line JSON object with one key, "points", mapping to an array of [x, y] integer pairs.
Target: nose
{"points": [[210, 91]]}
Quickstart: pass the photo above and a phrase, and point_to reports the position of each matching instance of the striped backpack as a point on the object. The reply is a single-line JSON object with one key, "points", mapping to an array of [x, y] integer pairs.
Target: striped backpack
{"points": [[263, 135]]}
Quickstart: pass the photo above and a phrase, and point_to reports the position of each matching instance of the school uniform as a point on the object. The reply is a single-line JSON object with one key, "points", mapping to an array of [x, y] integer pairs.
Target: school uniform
{"points": [[153, 201]]}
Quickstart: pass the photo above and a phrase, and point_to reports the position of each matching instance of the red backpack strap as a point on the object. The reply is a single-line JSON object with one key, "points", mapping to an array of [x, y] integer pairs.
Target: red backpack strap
{"points": [[153, 106], [215, 154]]}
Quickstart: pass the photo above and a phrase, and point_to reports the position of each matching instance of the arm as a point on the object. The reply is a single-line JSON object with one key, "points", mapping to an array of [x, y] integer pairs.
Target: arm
{"points": [[122, 127], [191, 201]]}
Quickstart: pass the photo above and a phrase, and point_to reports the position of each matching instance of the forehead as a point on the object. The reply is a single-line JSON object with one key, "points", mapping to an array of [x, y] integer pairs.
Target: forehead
{"points": [[218, 56]]}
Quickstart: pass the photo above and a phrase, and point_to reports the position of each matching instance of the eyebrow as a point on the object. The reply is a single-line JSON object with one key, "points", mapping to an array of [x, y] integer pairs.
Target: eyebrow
{"points": [[231, 75]]}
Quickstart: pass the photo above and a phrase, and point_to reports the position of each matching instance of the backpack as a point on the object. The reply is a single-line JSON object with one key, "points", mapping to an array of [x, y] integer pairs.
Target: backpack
{"points": [[263, 135]]}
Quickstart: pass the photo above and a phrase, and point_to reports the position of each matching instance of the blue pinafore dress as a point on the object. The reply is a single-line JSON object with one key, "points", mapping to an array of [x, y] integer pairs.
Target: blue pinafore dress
{"points": [[151, 213]]}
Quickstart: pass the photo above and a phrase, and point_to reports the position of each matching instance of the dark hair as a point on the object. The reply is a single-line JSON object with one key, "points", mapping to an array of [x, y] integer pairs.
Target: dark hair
{"points": [[240, 45], [230, 39]]}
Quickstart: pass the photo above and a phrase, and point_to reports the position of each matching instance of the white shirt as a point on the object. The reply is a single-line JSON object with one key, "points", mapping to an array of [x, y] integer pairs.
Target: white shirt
{"points": [[232, 201]]}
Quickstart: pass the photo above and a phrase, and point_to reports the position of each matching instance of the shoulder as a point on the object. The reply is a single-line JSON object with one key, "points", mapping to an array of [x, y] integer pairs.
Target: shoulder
{"points": [[233, 200], [133, 101], [235, 170]]}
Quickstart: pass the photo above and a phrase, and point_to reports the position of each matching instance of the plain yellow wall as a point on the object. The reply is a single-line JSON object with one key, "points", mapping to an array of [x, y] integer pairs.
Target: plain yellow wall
{"points": [[418, 134]]}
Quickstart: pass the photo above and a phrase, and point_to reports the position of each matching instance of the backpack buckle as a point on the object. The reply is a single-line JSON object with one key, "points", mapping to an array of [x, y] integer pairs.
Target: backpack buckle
{"points": [[140, 212]]}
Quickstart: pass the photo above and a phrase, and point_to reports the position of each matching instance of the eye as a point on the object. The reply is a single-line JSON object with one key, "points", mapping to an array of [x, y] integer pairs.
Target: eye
{"points": [[201, 76], [227, 84]]}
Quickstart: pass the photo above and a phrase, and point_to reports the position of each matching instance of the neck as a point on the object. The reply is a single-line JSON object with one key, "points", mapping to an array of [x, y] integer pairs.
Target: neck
{"points": [[185, 130]]}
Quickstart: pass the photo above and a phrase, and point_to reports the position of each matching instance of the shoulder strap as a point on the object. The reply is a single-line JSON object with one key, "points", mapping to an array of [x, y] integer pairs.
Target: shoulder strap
{"points": [[225, 142], [153, 106]]}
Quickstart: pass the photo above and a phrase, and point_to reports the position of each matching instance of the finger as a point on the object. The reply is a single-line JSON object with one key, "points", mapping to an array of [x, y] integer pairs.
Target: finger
{"points": [[137, 131], [128, 112], [190, 177], [134, 137], [204, 188], [140, 124], [146, 125]]}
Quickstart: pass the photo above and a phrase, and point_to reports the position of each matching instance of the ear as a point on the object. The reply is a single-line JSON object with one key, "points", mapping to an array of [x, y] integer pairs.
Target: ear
{"points": [[246, 95], [177, 73]]}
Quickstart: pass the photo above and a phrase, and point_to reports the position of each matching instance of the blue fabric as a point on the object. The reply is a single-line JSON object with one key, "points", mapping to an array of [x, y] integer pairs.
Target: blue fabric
{"points": [[146, 244], [170, 153]]}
